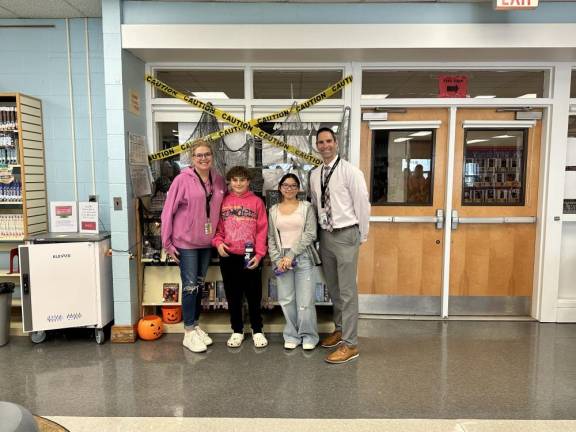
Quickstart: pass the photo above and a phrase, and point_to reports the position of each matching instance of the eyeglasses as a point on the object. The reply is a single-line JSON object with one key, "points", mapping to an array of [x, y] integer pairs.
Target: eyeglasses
{"points": [[203, 155], [289, 186]]}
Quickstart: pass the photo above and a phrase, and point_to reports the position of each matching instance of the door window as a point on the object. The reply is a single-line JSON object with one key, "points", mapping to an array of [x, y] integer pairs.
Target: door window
{"points": [[402, 167], [494, 167]]}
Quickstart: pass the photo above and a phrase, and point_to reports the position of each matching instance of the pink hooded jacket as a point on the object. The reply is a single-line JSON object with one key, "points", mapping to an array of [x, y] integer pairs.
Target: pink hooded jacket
{"points": [[184, 212], [242, 219]]}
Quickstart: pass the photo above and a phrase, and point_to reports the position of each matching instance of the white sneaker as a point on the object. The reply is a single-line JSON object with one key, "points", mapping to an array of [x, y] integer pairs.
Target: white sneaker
{"points": [[307, 346], [259, 340], [235, 340], [290, 345], [193, 342], [204, 336]]}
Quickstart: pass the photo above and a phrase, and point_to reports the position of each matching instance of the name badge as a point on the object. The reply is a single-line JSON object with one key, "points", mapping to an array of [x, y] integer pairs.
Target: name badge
{"points": [[207, 228]]}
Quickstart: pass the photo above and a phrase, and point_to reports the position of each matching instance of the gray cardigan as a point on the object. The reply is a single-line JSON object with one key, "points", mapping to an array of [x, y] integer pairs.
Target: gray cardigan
{"points": [[306, 241]]}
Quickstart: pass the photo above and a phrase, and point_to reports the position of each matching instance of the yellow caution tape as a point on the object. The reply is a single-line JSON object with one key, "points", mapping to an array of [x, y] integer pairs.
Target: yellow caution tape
{"points": [[241, 125]]}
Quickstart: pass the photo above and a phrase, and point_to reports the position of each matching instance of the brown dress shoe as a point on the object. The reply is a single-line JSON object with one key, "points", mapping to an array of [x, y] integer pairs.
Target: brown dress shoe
{"points": [[343, 354], [332, 340]]}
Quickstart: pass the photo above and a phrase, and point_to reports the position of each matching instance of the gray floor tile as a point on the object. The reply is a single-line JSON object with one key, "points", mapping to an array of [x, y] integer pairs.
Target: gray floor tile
{"points": [[407, 369]]}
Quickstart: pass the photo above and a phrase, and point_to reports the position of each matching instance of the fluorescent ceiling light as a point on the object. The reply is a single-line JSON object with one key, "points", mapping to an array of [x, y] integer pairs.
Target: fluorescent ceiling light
{"points": [[474, 141], [421, 133], [210, 95], [528, 95], [376, 96], [402, 139], [485, 97], [503, 136]]}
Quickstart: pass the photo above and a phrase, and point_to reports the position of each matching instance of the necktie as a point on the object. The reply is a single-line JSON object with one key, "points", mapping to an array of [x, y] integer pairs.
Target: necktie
{"points": [[327, 206]]}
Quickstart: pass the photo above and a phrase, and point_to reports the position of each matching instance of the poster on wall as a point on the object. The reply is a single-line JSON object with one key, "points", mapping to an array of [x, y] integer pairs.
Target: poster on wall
{"points": [[140, 174], [134, 101], [63, 216], [452, 86], [88, 217]]}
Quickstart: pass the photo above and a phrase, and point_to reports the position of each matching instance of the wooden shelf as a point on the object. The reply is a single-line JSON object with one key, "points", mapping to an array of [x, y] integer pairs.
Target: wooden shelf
{"points": [[219, 322], [4, 274]]}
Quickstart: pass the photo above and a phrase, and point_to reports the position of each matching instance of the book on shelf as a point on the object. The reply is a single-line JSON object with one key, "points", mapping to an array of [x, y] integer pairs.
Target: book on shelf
{"points": [[170, 292]]}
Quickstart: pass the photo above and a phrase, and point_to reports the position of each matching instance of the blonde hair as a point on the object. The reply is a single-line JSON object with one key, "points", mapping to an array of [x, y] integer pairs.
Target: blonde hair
{"points": [[200, 143]]}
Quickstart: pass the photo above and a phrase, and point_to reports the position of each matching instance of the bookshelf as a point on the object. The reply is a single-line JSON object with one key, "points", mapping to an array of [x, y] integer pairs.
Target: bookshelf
{"points": [[22, 175], [22, 182]]}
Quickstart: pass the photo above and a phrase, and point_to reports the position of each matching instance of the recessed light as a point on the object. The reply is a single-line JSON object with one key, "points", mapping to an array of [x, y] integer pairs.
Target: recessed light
{"points": [[503, 136], [528, 95], [402, 139], [210, 95], [376, 96], [421, 133], [474, 141]]}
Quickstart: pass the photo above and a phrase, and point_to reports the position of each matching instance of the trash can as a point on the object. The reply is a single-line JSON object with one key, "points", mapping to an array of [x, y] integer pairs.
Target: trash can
{"points": [[6, 290]]}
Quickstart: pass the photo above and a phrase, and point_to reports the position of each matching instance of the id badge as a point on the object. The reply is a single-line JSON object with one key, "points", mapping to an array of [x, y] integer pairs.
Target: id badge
{"points": [[323, 218], [207, 228]]}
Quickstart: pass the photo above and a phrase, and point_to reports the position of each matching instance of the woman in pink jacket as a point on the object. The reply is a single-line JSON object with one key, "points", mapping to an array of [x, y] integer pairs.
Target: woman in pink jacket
{"points": [[189, 220]]}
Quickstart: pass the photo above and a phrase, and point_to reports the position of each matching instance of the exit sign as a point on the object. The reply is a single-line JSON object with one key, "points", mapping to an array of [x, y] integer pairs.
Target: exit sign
{"points": [[515, 4]]}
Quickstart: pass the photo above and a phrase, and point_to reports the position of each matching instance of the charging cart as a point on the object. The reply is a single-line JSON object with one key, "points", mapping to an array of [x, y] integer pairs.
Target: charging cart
{"points": [[66, 281]]}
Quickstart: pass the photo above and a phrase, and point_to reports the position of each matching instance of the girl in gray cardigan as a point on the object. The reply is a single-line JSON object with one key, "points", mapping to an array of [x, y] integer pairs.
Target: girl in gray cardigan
{"points": [[291, 234]]}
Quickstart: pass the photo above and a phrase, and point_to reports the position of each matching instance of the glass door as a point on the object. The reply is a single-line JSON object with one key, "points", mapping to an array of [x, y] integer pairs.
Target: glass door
{"points": [[404, 162], [495, 201]]}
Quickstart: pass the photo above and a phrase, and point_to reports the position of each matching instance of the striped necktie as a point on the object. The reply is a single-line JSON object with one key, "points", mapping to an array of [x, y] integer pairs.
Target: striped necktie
{"points": [[327, 205]]}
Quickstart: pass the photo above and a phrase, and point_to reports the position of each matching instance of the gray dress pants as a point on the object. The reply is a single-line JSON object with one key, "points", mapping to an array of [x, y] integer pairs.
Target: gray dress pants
{"points": [[339, 253]]}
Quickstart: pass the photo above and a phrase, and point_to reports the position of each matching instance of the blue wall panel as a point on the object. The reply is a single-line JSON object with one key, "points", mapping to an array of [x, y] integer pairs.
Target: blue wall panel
{"points": [[38, 66], [154, 12]]}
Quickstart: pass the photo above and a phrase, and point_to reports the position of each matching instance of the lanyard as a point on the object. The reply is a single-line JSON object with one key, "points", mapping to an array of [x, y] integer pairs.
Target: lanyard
{"points": [[324, 186], [208, 196]]}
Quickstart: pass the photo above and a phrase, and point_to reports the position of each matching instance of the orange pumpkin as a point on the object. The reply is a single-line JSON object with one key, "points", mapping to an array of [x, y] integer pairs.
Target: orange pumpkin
{"points": [[171, 314], [150, 327]]}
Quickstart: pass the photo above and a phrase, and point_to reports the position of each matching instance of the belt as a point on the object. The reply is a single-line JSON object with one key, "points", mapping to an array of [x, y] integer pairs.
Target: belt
{"points": [[342, 229]]}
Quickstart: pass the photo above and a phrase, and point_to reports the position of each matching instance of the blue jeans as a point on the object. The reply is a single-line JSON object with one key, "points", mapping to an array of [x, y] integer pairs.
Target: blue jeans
{"points": [[193, 268], [297, 298]]}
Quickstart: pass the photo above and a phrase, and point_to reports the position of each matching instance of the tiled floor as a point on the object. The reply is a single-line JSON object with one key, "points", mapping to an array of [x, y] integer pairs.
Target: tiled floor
{"points": [[406, 370]]}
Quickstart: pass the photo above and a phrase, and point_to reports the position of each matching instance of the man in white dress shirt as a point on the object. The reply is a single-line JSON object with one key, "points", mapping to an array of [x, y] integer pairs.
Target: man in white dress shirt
{"points": [[340, 196]]}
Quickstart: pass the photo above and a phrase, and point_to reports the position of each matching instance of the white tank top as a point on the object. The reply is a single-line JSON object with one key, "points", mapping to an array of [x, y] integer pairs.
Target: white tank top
{"points": [[290, 227]]}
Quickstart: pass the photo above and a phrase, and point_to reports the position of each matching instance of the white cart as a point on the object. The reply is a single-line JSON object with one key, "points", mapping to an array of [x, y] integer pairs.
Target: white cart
{"points": [[66, 281]]}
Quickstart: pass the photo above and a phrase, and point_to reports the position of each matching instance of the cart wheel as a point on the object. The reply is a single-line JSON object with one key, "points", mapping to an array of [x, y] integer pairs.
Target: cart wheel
{"points": [[99, 334], [38, 336]]}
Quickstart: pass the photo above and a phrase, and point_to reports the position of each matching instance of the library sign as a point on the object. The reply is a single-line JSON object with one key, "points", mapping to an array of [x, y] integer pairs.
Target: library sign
{"points": [[515, 4]]}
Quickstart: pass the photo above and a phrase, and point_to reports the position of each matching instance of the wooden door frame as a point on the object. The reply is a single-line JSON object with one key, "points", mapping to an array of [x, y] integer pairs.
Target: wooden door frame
{"points": [[545, 145]]}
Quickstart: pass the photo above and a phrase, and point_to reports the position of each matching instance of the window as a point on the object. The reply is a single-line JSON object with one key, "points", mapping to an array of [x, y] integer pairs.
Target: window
{"points": [[494, 167], [294, 84], [204, 84], [573, 85], [426, 84], [402, 167]]}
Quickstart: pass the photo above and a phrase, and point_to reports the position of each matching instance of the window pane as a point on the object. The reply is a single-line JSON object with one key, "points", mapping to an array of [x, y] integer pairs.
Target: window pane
{"points": [[402, 167], [204, 84], [572, 126], [425, 84], [294, 84], [573, 85], [494, 167]]}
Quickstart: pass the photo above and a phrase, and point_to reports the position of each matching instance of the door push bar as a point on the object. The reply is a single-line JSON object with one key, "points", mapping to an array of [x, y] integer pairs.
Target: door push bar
{"points": [[438, 219], [491, 220]]}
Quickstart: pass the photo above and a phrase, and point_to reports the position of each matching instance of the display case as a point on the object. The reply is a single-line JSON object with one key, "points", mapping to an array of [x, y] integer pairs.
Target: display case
{"points": [[22, 175]]}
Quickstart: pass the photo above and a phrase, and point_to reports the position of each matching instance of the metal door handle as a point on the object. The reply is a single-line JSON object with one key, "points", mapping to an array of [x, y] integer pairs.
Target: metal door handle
{"points": [[438, 219], [25, 283], [491, 220]]}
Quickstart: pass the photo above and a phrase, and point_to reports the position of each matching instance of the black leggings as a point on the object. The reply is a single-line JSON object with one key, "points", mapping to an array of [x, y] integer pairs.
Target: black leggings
{"points": [[239, 281]]}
